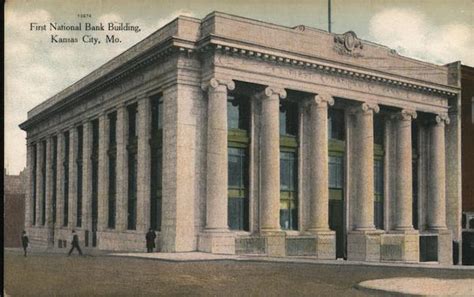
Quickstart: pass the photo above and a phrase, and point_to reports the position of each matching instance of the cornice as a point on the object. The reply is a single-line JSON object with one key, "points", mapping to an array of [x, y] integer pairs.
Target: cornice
{"points": [[249, 51], [165, 49]]}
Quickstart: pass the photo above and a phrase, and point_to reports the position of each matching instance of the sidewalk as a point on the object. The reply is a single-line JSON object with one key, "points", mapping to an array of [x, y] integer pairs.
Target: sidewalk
{"points": [[199, 256]]}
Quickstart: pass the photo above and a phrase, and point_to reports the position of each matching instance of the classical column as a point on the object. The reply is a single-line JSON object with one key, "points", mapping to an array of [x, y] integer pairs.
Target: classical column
{"points": [[144, 165], [87, 175], [72, 195], [39, 181], [270, 159], [216, 198], [364, 218], [318, 162], [404, 186], [122, 168], [60, 180], [30, 188], [49, 182], [103, 173], [437, 198]]}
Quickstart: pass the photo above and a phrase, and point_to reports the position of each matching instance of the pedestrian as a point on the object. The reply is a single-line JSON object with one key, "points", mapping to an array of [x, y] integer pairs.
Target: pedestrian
{"points": [[150, 240], [24, 241], [75, 243]]}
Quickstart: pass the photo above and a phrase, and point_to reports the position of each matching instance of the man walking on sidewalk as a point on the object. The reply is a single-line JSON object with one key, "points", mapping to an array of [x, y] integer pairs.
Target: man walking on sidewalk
{"points": [[24, 241], [75, 243]]}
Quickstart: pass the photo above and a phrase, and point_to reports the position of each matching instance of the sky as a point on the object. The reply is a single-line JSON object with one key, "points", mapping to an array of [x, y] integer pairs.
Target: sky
{"points": [[436, 31]]}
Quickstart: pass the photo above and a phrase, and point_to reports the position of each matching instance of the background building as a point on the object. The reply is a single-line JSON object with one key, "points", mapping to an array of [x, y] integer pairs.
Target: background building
{"points": [[230, 135], [467, 130], [14, 189]]}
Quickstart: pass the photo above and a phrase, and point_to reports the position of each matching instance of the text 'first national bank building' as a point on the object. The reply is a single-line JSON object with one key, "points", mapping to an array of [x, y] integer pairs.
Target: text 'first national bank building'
{"points": [[235, 136]]}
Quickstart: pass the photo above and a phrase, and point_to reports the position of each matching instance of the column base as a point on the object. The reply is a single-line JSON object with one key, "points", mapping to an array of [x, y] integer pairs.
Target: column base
{"points": [[275, 243], [364, 245], [400, 246], [319, 244], [445, 245], [217, 242]]}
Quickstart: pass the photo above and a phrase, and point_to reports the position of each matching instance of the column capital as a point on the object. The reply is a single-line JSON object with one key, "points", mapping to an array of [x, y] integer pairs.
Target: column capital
{"points": [[405, 115], [370, 107], [320, 100], [270, 92], [216, 82], [442, 118]]}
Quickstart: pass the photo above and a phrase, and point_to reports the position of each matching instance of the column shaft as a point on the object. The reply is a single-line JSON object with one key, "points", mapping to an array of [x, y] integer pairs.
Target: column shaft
{"points": [[72, 205], [49, 183], [404, 172], [60, 181], [270, 159], [217, 171], [364, 219], [87, 176], [144, 165], [103, 173], [122, 169], [319, 205], [437, 203], [39, 181], [30, 189]]}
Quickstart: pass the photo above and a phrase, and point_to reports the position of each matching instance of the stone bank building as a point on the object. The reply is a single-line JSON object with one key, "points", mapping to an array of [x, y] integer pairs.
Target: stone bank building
{"points": [[235, 136]]}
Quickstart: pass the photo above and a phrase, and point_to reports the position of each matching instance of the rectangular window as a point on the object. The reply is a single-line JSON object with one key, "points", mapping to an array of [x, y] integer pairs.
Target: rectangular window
{"points": [[238, 111], [238, 210], [415, 193], [289, 118], [288, 191], [336, 124], [35, 168], [336, 172], [66, 179], [54, 176], [379, 129], [80, 137], [43, 184], [156, 145], [112, 158], [289, 126], [238, 124], [378, 192], [132, 167]]}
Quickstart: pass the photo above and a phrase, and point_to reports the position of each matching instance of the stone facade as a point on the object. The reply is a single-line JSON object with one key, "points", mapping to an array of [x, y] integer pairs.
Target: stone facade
{"points": [[148, 141]]}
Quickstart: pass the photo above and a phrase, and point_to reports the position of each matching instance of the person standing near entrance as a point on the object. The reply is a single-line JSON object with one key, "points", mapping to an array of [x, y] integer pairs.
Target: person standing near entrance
{"points": [[24, 241], [75, 243], [150, 240]]}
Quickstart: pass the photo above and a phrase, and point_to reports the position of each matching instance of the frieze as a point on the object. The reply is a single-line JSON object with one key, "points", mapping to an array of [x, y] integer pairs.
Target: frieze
{"points": [[255, 57], [327, 79]]}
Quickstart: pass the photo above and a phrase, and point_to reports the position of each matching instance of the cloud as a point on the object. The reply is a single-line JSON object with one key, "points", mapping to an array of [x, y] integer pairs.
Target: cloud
{"points": [[412, 34]]}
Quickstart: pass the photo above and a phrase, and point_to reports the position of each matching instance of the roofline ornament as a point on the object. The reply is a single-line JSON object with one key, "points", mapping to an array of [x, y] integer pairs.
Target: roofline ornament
{"points": [[347, 44]]}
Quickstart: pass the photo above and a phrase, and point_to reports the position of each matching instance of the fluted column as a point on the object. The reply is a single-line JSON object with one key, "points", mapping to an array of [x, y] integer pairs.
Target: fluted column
{"points": [[404, 186], [60, 181], [103, 173], [72, 205], [437, 198], [319, 204], [87, 175], [122, 168], [216, 198], [270, 159], [364, 219], [144, 165]]}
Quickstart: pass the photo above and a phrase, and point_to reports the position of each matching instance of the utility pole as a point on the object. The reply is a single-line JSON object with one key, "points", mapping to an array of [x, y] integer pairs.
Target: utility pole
{"points": [[329, 16]]}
